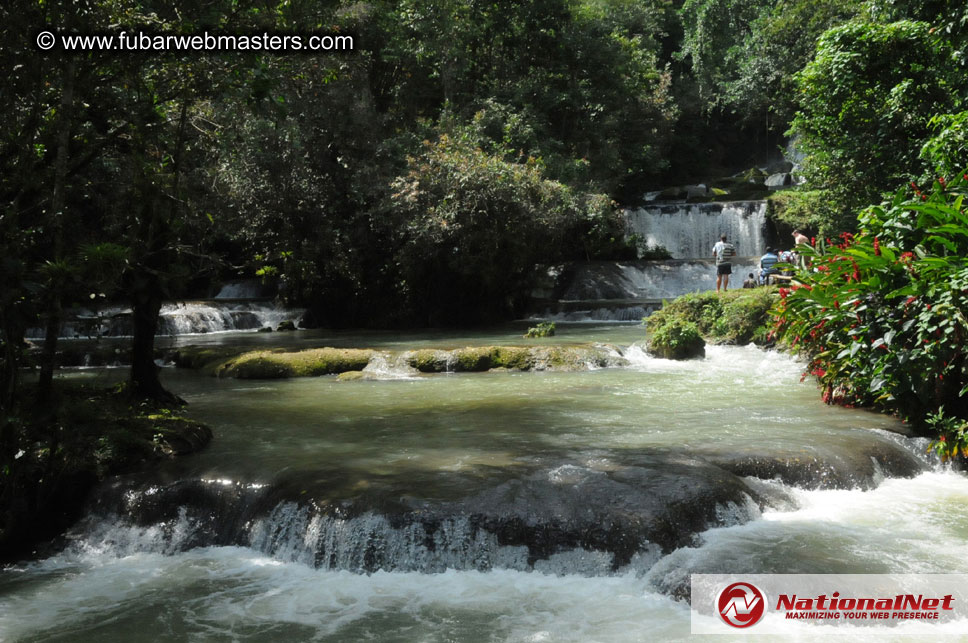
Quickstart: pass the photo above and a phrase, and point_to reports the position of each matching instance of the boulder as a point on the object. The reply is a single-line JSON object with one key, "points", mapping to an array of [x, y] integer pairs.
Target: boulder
{"points": [[779, 180], [779, 167], [696, 191], [677, 339], [286, 325]]}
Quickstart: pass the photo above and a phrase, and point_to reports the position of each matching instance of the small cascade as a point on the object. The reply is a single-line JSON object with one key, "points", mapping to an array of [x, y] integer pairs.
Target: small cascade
{"points": [[387, 366], [689, 231], [175, 318], [245, 289], [628, 291], [560, 517]]}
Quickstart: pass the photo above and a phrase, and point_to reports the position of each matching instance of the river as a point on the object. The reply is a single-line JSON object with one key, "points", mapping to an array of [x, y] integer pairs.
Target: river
{"points": [[523, 506]]}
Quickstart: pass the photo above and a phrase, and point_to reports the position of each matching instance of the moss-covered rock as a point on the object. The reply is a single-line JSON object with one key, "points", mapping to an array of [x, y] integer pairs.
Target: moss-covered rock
{"points": [[307, 363], [514, 357], [428, 360], [677, 339], [734, 317], [474, 359], [277, 363], [348, 376], [204, 358]]}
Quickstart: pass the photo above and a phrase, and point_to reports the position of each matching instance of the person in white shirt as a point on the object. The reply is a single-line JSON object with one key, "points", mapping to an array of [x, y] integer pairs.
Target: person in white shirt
{"points": [[723, 253]]}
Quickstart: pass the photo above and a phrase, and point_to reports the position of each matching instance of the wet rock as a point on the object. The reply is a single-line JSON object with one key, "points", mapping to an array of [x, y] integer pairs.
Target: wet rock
{"points": [[780, 180], [778, 167], [265, 329], [562, 517], [286, 325], [847, 462]]}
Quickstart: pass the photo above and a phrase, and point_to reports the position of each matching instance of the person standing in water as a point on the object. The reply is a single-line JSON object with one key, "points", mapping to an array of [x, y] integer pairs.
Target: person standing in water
{"points": [[723, 252]]}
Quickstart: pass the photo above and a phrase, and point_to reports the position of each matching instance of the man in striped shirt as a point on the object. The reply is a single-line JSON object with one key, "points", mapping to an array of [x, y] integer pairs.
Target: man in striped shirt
{"points": [[724, 253]]}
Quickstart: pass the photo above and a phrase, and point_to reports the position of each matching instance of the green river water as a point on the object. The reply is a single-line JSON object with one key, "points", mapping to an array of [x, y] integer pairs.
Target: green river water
{"points": [[445, 438]]}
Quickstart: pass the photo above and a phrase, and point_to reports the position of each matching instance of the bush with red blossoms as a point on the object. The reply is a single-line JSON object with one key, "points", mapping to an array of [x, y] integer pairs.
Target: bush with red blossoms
{"points": [[881, 315]]}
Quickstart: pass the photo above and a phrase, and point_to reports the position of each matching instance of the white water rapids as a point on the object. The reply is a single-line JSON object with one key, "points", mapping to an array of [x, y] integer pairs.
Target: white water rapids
{"points": [[118, 581], [232, 593]]}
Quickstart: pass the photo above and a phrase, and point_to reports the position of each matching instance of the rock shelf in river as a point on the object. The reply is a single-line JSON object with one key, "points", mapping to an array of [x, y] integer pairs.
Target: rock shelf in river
{"points": [[274, 364]]}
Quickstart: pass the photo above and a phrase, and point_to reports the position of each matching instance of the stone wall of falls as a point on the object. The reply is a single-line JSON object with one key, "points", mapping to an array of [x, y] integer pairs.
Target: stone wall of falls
{"points": [[629, 290], [689, 231], [646, 280]]}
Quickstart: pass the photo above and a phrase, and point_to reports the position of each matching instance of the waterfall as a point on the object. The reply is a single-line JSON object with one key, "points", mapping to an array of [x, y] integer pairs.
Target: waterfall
{"points": [[630, 290], [175, 318], [689, 231], [245, 289]]}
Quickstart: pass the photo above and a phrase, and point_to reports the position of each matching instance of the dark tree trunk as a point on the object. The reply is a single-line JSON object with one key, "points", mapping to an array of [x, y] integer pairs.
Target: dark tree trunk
{"points": [[57, 204], [144, 372]]}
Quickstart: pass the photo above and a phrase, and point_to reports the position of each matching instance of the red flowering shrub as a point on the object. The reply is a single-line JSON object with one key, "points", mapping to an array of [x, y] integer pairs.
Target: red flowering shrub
{"points": [[882, 315]]}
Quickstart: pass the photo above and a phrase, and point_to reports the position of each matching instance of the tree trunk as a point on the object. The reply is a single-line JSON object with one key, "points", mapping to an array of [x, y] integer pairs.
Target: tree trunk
{"points": [[144, 372], [148, 292], [57, 203]]}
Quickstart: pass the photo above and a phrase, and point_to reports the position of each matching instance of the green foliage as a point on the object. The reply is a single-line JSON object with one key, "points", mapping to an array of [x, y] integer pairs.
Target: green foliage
{"points": [[576, 84], [947, 149], [677, 339], [476, 227], [952, 435], [654, 252], [866, 101], [745, 53], [881, 315], [544, 329], [813, 210], [733, 317]]}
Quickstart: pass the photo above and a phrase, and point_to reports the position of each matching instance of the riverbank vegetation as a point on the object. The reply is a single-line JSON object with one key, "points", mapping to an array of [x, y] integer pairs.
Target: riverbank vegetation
{"points": [[881, 314], [83, 435]]}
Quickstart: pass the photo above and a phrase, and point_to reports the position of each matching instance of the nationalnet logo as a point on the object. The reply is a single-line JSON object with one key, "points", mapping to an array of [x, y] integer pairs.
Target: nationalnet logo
{"points": [[741, 604], [794, 603]]}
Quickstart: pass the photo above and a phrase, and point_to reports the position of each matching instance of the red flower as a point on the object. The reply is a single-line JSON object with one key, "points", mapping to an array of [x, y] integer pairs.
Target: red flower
{"points": [[783, 293], [877, 246]]}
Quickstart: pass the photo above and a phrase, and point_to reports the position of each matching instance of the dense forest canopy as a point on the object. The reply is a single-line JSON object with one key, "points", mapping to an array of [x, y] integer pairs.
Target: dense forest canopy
{"points": [[418, 179]]}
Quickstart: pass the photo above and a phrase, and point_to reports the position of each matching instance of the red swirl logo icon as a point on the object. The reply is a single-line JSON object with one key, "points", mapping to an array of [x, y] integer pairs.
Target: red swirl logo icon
{"points": [[741, 605]]}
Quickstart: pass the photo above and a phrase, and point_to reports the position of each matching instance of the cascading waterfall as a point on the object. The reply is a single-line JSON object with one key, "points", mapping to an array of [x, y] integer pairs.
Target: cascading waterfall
{"points": [[689, 231], [175, 318], [630, 290]]}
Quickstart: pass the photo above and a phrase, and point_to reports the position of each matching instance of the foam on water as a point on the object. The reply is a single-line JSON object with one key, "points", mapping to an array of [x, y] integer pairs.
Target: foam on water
{"points": [[907, 526], [237, 593]]}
